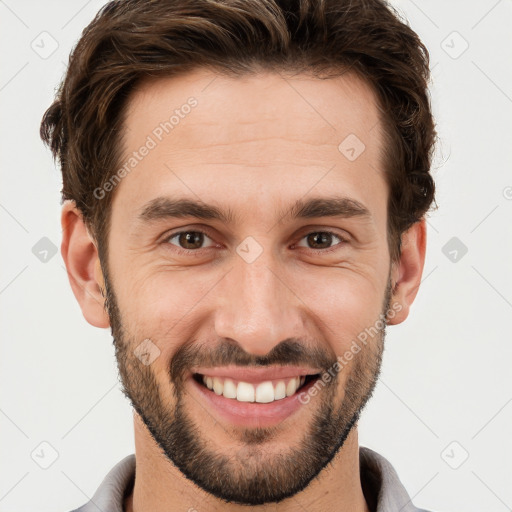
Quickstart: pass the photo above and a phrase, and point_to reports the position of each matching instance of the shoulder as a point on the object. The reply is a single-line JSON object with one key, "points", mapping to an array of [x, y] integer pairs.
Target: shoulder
{"points": [[116, 484], [381, 485]]}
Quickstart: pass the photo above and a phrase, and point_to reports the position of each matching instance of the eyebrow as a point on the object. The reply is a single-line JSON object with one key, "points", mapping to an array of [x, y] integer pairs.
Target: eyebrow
{"points": [[168, 208]]}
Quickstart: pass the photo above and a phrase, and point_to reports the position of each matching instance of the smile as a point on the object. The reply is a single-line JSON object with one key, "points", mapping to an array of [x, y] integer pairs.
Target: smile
{"points": [[262, 392]]}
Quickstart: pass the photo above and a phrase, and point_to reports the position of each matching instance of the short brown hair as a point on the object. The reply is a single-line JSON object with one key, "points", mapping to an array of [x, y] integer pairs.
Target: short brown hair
{"points": [[130, 40]]}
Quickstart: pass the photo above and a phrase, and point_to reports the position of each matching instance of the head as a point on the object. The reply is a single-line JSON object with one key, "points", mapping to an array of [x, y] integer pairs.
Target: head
{"points": [[245, 184]]}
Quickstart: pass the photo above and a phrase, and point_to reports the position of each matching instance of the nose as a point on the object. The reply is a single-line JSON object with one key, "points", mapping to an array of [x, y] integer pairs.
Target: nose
{"points": [[257, 306]]}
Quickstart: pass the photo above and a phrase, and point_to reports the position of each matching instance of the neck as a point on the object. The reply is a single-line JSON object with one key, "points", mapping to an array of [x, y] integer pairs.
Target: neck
{"points": [[159, 483]]}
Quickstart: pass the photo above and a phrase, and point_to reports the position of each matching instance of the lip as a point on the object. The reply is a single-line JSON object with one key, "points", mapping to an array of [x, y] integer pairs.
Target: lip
{"points": [[249, 414], [256, 375]]}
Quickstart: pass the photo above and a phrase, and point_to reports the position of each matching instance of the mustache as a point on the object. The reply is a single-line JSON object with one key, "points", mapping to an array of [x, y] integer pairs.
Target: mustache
{"points": [[226, 353]]}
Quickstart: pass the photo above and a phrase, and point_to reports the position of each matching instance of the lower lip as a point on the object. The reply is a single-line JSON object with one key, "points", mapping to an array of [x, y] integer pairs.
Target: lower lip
{"points": [[251, 414]]}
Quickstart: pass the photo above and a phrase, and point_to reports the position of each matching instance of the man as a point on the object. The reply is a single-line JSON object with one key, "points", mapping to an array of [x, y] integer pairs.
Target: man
{"points": [[245, 186]]}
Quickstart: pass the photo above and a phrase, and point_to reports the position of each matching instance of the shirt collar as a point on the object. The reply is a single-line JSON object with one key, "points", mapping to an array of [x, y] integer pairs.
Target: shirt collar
{"points": [[383, 490]]}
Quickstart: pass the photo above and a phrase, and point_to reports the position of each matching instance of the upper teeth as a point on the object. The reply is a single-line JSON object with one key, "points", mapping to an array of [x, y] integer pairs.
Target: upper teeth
{"points": [[264, 392]]}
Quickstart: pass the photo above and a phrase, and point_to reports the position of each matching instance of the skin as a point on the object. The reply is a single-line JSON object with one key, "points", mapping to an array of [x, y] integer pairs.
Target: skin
{"points": [[254, 145]]}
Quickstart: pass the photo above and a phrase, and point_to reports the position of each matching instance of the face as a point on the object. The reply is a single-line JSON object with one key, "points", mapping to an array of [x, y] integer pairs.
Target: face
{"points": [[248, 253]]}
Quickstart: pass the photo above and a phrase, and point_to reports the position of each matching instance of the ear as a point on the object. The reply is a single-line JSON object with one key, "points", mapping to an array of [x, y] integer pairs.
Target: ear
{"points": [[83, 266], [406, 272]]}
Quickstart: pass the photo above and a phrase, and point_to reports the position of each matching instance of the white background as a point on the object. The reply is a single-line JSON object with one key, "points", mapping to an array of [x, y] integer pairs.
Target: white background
{"points": [[447, 370]]}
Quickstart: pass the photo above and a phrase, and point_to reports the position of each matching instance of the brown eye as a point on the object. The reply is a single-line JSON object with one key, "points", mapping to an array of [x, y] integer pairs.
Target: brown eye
{"points": [[189, 240], [320, 240]]}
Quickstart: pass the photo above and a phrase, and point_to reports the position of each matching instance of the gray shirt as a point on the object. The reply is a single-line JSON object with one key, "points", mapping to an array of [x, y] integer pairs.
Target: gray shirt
{"points": [[381, 486]]}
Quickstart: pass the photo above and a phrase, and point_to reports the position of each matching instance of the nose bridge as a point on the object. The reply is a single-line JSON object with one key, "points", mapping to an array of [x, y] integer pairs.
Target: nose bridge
{"points": [[257, 310]]}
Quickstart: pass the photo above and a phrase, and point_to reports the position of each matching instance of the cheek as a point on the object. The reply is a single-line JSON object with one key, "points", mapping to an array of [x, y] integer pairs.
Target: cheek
{"points": [[164, 307], [170, 306], [343, 305]]}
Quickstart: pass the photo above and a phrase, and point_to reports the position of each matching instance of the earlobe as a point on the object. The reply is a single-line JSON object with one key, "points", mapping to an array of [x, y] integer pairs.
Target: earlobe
{"points": [[83, 266], [407, 271]]}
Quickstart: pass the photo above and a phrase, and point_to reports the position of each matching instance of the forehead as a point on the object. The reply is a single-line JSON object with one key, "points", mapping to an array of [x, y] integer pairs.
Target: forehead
{"points": [[237, 139], [278, 104]]}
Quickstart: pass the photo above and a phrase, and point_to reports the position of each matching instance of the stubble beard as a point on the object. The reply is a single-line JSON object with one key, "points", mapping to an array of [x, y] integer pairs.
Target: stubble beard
{"points": [[251, 473]]}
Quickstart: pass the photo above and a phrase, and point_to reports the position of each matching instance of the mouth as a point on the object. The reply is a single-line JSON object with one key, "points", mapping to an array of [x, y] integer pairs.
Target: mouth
{"points": [[254, 396], [262, 392]]}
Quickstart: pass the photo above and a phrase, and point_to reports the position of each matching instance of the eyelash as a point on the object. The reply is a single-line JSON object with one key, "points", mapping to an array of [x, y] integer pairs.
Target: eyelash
{"points": [[189, 252]]}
